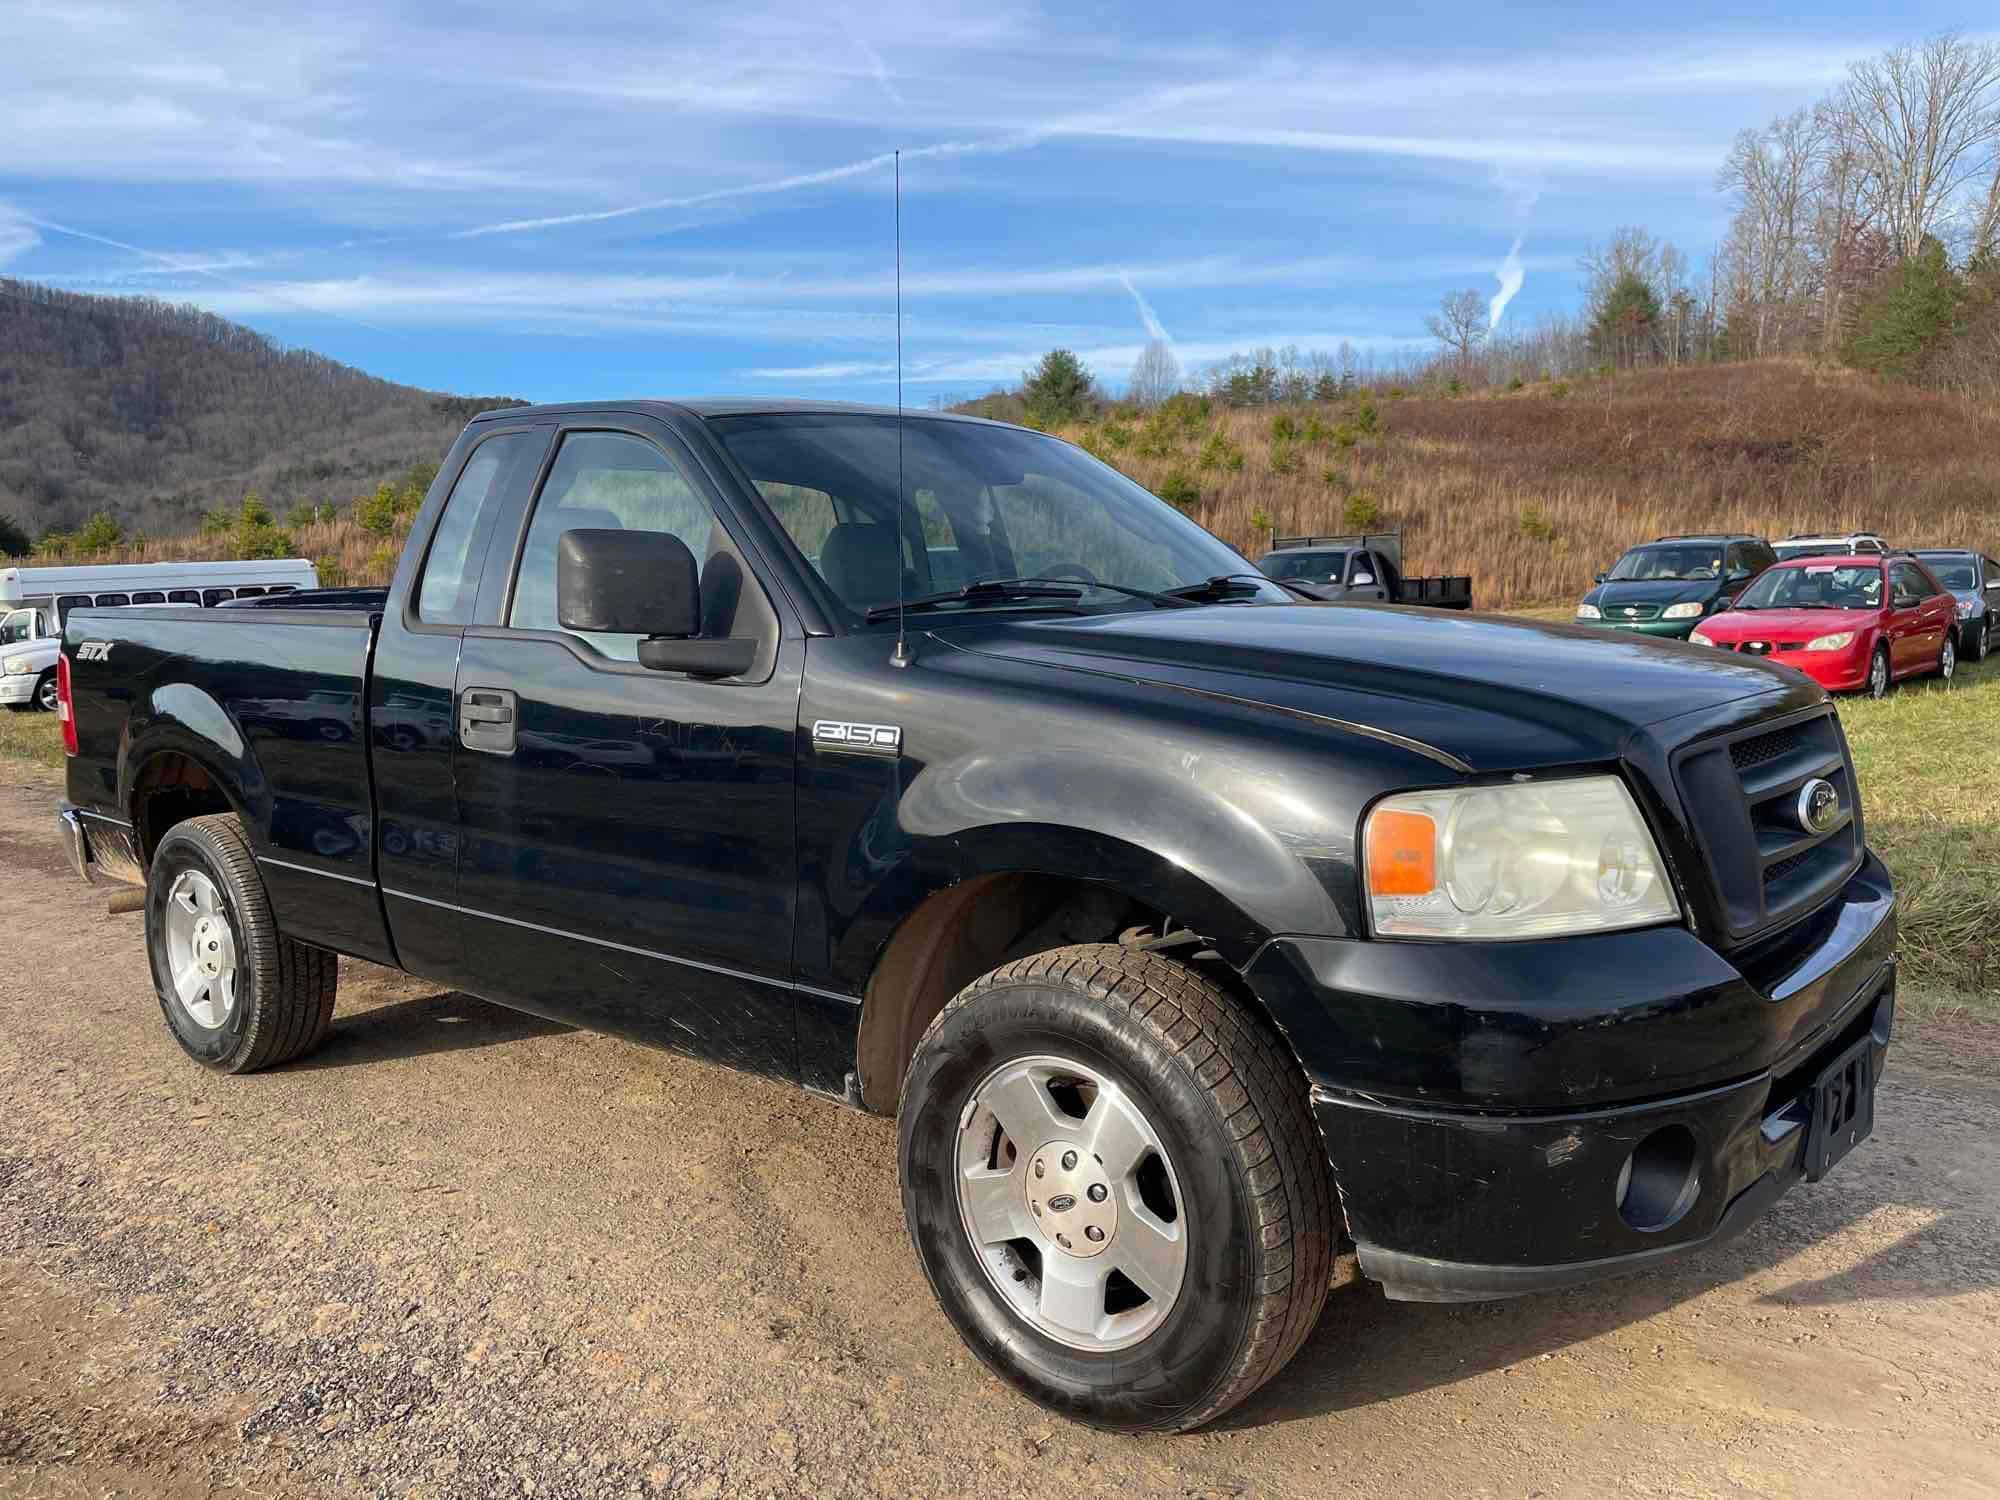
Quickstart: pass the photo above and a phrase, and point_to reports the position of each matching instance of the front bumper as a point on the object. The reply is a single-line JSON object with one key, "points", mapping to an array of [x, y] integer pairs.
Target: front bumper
{"points": [[18, 687], [1462, 1171], [1665, 630]]}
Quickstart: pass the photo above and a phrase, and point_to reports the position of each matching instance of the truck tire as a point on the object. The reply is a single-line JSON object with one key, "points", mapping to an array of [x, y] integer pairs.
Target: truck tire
{"points": [[238, 995], [1113, 1179]]}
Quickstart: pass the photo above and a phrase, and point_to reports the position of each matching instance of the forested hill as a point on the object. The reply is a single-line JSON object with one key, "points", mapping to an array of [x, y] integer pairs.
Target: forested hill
{"points": [[158, 413]]}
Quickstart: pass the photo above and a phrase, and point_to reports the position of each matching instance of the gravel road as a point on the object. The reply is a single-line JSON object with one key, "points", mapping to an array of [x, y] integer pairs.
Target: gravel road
{"points": [[466, 1252]]}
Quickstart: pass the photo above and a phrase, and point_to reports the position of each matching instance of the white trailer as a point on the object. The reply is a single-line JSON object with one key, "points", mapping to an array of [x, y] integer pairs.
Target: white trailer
{"points": [[35, 601]]}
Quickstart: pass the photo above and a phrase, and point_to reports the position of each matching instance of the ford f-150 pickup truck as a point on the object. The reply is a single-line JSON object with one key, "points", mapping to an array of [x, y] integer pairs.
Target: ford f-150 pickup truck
{"points": [[1189, 931]]}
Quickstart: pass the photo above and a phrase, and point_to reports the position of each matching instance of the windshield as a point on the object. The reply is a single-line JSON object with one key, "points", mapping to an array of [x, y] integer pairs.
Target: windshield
{"points": [[1674, 562], [1302, 565], [1953, 573], [1817, 586], [981, 503], [21, 625]]}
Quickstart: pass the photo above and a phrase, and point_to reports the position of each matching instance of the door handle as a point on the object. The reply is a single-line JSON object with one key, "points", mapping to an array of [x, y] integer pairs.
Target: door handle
{"points": [[486, 720]]}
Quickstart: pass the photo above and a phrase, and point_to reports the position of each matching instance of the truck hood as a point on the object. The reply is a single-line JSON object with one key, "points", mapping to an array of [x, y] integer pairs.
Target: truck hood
{"points": [[1487, 692]]}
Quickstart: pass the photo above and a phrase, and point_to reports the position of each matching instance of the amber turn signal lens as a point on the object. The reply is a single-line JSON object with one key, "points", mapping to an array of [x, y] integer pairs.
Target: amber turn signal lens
{"points": [[1402, 854]]}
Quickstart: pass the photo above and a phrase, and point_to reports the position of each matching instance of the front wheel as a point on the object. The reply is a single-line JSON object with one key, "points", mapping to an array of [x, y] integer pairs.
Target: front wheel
{"points": [[1982, 642], [1878, 673], [48, 693], [237, 994], [1112, 1177]]}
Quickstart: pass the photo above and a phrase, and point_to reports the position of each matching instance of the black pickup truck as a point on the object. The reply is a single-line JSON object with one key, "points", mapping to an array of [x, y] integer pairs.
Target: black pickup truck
{"points": [[1190, 932]]}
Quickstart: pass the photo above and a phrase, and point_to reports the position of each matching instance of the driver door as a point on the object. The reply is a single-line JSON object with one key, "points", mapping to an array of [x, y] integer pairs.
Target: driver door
{"points": [[1365, 580]]}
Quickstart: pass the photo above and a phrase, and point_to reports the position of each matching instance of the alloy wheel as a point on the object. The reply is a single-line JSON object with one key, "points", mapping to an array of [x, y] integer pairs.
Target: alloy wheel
{"points": [[1071, 1203], [201, 950]]}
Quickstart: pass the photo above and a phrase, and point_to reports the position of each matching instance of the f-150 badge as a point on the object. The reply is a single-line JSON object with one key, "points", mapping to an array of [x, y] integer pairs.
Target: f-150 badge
{"points": [[872, 739]]}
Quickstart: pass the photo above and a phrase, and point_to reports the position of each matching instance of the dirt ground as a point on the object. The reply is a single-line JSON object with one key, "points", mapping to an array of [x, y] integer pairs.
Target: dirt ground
{"points": [[466, 1252]]}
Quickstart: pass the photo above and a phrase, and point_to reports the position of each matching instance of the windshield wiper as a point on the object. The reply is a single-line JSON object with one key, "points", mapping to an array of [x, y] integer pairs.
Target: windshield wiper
{"points": [[1221, 586], [996, 590], [1168, 600]]}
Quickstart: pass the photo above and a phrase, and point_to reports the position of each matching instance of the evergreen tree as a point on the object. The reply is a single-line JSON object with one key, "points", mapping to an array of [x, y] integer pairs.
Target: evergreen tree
{"points": [[1909, 318], [1057, 389]]}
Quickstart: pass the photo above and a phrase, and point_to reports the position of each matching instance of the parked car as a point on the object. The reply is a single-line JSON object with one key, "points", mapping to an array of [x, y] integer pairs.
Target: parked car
{"points": [[1974, 581], [1848, 544], [1189, 931], [1362, 569], [1850, 623], [1664, 587]]}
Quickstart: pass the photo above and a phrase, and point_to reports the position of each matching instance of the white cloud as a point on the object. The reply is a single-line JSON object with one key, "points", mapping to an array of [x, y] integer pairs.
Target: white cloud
{"points": [[17, 234]]}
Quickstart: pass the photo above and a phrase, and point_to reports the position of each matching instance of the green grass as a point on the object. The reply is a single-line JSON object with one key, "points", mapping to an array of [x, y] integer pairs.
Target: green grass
{"points": [[1928, 759], [34, 737]]}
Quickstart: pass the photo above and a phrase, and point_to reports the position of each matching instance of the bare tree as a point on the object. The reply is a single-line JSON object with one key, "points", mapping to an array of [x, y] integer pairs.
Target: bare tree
{"points": [[1924, 121], [1461, 325], [1156, 375], [1772, 173]]}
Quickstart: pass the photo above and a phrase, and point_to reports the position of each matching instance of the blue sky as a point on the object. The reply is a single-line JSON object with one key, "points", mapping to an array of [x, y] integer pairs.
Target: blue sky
{"points": [[567, 201]]}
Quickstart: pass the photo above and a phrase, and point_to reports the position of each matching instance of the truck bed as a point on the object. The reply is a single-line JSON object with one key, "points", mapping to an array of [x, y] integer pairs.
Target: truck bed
{"points": [[283, 687]]}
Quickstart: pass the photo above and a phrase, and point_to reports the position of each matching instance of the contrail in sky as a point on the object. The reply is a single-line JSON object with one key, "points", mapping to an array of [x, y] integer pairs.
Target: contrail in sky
{"points": [[1510, 276], [1017, 142], [191, 268]]}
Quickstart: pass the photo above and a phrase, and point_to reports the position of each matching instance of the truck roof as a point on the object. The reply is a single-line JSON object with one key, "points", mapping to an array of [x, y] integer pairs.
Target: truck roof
{"points": [[737, 406]]}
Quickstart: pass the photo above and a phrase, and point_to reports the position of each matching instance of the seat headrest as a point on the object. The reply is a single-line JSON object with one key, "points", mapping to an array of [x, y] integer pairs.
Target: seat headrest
{"points": [[862, 563]]}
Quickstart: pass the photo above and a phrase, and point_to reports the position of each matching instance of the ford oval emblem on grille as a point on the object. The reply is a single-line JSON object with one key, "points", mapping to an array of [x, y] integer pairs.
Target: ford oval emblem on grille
{"points": [[1819, 806]]}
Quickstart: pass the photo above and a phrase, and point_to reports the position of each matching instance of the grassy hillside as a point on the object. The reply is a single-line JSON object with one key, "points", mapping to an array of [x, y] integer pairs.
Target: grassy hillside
{"points": [[1534, 490], [158, 414], [1531, 491]]}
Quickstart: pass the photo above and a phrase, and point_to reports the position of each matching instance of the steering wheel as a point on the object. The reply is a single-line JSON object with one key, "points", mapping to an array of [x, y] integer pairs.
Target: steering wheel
{"points": [[1069, 570]]}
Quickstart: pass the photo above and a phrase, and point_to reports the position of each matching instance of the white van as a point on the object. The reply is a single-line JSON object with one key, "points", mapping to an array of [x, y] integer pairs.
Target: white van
{"points": [[35, 601]]}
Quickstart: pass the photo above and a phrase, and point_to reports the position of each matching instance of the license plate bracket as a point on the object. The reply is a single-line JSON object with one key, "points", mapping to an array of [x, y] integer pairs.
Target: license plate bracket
{"points": [[1843, 1108]]}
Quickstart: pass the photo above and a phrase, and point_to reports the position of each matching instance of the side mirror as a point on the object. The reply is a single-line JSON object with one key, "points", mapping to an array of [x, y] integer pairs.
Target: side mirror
{"points": [[643, 583], [1361, 580], [1599, 578]]}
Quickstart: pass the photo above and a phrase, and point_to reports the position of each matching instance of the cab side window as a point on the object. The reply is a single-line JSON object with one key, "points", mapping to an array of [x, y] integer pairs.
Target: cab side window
{"points": [[449, 587], [604, 481]]}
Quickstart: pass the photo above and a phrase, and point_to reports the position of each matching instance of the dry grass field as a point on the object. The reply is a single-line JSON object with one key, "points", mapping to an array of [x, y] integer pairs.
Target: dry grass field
{"points": [[1533, 491]]}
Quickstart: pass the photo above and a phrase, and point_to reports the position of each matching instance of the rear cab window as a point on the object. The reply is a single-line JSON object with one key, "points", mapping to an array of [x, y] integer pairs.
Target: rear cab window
{"points": [[449, 588]]}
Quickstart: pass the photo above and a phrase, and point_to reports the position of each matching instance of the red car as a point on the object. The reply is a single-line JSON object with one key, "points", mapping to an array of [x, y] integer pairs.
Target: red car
{"points": [[1846, 622]]}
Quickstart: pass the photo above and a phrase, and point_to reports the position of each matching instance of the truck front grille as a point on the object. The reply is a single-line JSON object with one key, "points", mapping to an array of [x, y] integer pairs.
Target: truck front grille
{"points": [[1743, 794]]}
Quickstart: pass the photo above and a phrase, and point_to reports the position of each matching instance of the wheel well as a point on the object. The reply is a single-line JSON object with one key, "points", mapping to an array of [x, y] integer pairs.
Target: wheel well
{"points": [[170, 789]]}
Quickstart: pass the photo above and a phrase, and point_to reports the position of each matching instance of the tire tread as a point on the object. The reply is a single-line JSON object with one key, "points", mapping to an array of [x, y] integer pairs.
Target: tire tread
{"points": [[1261, 1097]]}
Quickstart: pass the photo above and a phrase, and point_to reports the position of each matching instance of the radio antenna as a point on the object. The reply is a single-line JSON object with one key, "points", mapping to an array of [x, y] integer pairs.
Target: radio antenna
{"points": [[901, 656]]}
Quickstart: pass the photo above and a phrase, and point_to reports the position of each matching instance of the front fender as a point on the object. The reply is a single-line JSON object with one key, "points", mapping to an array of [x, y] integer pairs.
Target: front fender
{"points": [[1208, 842]]}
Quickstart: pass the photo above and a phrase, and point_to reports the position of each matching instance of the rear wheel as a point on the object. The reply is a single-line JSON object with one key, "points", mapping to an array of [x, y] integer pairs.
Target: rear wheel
{"points": [[1878, 673], [1947, 662], [1113, 1179], [237, 994]]}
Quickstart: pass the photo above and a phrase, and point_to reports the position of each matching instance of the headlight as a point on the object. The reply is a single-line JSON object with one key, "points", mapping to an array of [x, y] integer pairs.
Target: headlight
{"points": [[19, 666], [1835, 642], [1687, 611], [1533, 860], [1699, 639], [1964, 608], [1589, 612]]}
